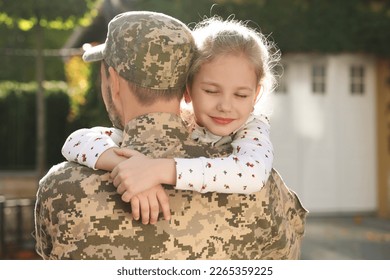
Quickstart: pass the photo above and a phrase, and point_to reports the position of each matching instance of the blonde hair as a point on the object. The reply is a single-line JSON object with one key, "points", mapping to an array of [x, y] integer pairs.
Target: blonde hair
{"points": [[215, 36]]}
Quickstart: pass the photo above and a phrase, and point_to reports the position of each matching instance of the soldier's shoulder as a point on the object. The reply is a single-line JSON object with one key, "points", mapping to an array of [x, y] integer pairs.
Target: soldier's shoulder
{"points": [[65, 171]]}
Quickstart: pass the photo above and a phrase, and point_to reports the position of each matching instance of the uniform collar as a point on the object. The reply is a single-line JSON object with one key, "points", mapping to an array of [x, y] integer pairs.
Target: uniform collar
{"points": [[153, 131]]}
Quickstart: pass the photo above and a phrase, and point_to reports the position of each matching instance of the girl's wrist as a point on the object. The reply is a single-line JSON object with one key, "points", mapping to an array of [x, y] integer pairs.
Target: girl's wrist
{"points": [[166, 170]]}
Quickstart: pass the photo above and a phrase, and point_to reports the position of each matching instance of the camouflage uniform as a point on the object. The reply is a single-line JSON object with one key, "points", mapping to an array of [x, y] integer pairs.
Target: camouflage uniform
{"points": [[79, 215]]}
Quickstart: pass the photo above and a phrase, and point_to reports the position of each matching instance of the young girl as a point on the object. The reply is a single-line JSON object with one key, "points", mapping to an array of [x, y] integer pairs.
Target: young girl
{"points": [[232, 66]]}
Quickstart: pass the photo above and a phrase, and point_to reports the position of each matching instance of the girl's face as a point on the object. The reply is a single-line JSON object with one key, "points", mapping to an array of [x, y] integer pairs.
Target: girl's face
{"points": [[223, 93]]}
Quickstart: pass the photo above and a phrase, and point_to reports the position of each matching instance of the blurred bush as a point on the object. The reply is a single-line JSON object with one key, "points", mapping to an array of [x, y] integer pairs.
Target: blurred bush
{"points": [[18, 123]]}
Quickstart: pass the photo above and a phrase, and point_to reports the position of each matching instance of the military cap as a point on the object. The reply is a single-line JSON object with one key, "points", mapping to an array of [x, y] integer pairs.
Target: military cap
{"points": [[150, 49]]}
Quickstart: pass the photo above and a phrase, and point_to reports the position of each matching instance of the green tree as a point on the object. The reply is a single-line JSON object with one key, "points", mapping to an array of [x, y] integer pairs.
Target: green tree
{"points": [[39, 15], [327, 26]]}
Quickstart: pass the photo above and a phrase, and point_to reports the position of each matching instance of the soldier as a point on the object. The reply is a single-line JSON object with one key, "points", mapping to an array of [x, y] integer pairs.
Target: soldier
{"points": [[231, 73], [79, 215]]}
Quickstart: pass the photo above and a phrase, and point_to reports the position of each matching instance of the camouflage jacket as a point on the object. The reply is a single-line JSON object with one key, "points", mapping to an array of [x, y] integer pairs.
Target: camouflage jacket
{"points": [[79, 215]]}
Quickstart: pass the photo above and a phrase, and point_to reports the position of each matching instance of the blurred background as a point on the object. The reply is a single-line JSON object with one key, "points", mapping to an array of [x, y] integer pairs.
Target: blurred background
{"points": [[330, 111]]}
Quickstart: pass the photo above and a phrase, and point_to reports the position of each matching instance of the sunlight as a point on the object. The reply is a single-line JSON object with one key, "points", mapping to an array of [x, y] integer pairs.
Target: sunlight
{"points": [[25, 25], [309, 116]]}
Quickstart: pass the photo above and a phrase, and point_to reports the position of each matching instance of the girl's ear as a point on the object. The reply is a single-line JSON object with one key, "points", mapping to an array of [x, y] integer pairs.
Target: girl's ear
{"points": [[258, 93], [187, 96]]}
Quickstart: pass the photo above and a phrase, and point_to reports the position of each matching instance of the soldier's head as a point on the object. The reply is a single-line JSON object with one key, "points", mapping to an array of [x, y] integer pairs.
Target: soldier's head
{"points": [[146, 54]]}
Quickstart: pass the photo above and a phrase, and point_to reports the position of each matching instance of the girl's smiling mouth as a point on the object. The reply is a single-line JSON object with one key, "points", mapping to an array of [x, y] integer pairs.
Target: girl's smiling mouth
{"points": [[219, 120]]}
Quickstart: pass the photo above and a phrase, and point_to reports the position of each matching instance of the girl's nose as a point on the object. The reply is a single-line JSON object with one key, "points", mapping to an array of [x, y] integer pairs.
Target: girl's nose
{"points": [[224, 104]]}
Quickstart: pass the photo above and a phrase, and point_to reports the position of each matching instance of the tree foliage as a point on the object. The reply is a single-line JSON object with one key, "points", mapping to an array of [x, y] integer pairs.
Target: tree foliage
{"points": [[17, 21], [40, 15], [48, 13], [326, 26]]}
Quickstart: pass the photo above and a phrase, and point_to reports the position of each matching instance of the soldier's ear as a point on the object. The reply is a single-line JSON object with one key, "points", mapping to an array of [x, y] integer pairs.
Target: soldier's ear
{"points": [[114, 83], [187, 96]]}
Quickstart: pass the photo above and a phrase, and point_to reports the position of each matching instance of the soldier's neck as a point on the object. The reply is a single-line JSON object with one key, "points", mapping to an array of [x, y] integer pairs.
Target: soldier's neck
{"points": [[155, 134]]}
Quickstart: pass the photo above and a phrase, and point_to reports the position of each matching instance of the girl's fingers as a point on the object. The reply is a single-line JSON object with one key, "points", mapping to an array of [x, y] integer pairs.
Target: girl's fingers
{"points": [[154, 209], [116, 181], [126, 197], [144, 207], [125, 152], [164, 204], [120, 189], [135, 208], [114, 172]]}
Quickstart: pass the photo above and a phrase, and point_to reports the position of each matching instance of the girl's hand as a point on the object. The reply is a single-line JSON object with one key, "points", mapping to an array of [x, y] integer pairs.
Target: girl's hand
{"points": [[126, 152], [139, 173], [148, 205], [134, 175], [109, 159]]}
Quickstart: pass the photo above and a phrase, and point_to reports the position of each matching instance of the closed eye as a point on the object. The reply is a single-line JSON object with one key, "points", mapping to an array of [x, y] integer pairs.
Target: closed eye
{"points": [[241, 95], [210, 91]]}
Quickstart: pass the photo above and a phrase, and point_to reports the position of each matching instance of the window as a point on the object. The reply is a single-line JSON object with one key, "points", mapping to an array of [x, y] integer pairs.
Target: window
{"points": [[318, 74], [357, 74]]}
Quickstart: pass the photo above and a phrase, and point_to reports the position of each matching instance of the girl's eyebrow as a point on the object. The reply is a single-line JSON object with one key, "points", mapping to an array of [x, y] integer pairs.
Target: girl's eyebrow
{"points": [[245, 88], [210, 83]]}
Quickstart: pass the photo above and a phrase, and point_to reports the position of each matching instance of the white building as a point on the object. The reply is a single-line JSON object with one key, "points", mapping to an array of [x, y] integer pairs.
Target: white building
{"points": [[324, 131]]}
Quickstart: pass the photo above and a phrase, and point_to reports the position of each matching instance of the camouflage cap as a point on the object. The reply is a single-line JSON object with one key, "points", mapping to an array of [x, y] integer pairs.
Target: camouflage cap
{"points": [[150, 49]]}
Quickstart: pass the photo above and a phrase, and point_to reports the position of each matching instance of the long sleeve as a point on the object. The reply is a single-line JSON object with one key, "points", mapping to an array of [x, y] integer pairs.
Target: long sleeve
{"points": [[87, 144], [245, 171]]}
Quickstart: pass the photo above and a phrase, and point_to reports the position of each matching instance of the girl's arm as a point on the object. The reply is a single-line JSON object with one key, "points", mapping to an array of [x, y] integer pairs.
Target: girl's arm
{"points": [[245, 171], [97, 148], [94, 147]]}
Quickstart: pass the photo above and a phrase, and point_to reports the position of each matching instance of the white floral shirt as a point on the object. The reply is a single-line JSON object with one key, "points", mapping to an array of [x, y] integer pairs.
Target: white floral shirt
{"points": [[245, 171], [87, 144]]}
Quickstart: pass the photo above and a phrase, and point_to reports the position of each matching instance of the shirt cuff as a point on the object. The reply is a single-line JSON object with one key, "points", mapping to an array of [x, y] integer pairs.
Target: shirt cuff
{"points": [[190, 174], [97, 148]]}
